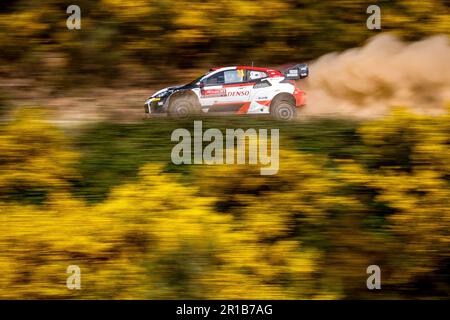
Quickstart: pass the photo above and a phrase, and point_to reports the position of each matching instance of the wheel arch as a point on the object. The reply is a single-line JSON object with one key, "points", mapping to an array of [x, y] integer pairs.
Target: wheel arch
{"points": [[283, 96], [182, 94]]}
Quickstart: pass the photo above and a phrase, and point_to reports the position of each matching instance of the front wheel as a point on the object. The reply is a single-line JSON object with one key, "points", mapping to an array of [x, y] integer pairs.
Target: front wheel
{"points": [[283, 110], [182, 108]]}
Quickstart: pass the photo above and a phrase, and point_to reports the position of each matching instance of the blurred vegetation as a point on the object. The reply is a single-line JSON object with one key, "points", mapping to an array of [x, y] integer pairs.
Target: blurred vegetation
{"points": [[347, 195], [160, 35], [104, 165], [35, 158]]}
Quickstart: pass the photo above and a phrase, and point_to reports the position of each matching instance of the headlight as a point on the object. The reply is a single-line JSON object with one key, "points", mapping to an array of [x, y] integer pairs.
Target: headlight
{"points": [[149, 100], [161, 94]]}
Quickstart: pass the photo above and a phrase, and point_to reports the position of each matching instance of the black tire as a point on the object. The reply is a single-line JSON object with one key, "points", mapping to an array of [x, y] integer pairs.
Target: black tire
{"points": [[182, 107], [283, 110]]}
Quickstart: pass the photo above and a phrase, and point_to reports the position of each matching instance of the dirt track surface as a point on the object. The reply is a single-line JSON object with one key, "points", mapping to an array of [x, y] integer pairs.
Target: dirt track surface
{"points": [[93, 105]]}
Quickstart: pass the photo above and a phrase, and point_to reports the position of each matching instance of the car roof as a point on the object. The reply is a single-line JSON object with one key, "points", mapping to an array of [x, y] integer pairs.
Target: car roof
{"points": [[241, 67], [270, 71]]}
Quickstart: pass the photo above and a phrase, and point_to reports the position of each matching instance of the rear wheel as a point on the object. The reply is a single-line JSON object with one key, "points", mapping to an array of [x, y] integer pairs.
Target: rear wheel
{"points": [[283, 110]]}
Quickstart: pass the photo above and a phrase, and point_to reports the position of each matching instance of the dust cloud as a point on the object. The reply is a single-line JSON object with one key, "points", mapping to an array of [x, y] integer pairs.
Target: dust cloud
{"points": [[367, 82]]}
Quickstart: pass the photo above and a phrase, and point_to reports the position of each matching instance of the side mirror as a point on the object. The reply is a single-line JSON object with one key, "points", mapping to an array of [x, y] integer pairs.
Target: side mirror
{"points": [[201, 84]]}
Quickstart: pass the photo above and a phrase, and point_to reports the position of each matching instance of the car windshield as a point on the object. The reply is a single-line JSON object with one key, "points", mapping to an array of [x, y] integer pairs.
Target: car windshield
{"points": [[198, 79]]}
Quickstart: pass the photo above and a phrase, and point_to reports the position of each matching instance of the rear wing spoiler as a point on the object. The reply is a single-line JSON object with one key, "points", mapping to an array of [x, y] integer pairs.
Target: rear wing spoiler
{"points": [[296, 72]]}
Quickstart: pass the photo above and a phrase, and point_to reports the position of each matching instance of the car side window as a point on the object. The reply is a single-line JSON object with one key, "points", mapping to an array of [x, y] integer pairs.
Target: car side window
{"points": [[234, 76], [216, 79], [255, 75]]}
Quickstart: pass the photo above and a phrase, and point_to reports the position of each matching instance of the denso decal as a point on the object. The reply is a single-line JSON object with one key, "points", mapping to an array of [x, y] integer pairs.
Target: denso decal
{"points": [[238, 93]]}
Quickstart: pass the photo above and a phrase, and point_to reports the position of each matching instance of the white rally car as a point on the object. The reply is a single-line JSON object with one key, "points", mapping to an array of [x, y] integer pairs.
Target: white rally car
{"points": [[236, 90]]}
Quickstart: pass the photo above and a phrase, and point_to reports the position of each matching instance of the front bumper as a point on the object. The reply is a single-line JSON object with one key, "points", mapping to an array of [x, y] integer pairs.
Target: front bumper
{"points": [[154, 105]]}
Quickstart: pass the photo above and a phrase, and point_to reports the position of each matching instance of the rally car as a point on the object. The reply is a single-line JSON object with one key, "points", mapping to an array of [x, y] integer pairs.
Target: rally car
{"points": [[237, 90]]}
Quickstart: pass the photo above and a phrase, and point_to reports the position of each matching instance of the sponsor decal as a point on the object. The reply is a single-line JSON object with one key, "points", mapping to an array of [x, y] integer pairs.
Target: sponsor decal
{"points": [[293, 73], [238, 93], [209, 93]]}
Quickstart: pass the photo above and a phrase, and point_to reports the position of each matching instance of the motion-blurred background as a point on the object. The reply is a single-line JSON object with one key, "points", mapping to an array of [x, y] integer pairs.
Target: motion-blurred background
{"points": [[85, 180]]}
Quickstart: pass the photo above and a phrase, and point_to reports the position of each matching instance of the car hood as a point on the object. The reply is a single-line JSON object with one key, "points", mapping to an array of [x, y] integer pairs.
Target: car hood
{"points": [[162, 91], [171, 89]]}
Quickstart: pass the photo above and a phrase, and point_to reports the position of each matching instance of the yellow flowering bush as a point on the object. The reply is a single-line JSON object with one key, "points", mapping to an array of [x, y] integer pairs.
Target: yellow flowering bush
{"points": [[408, 175], [228, 232], [35, 156]]}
